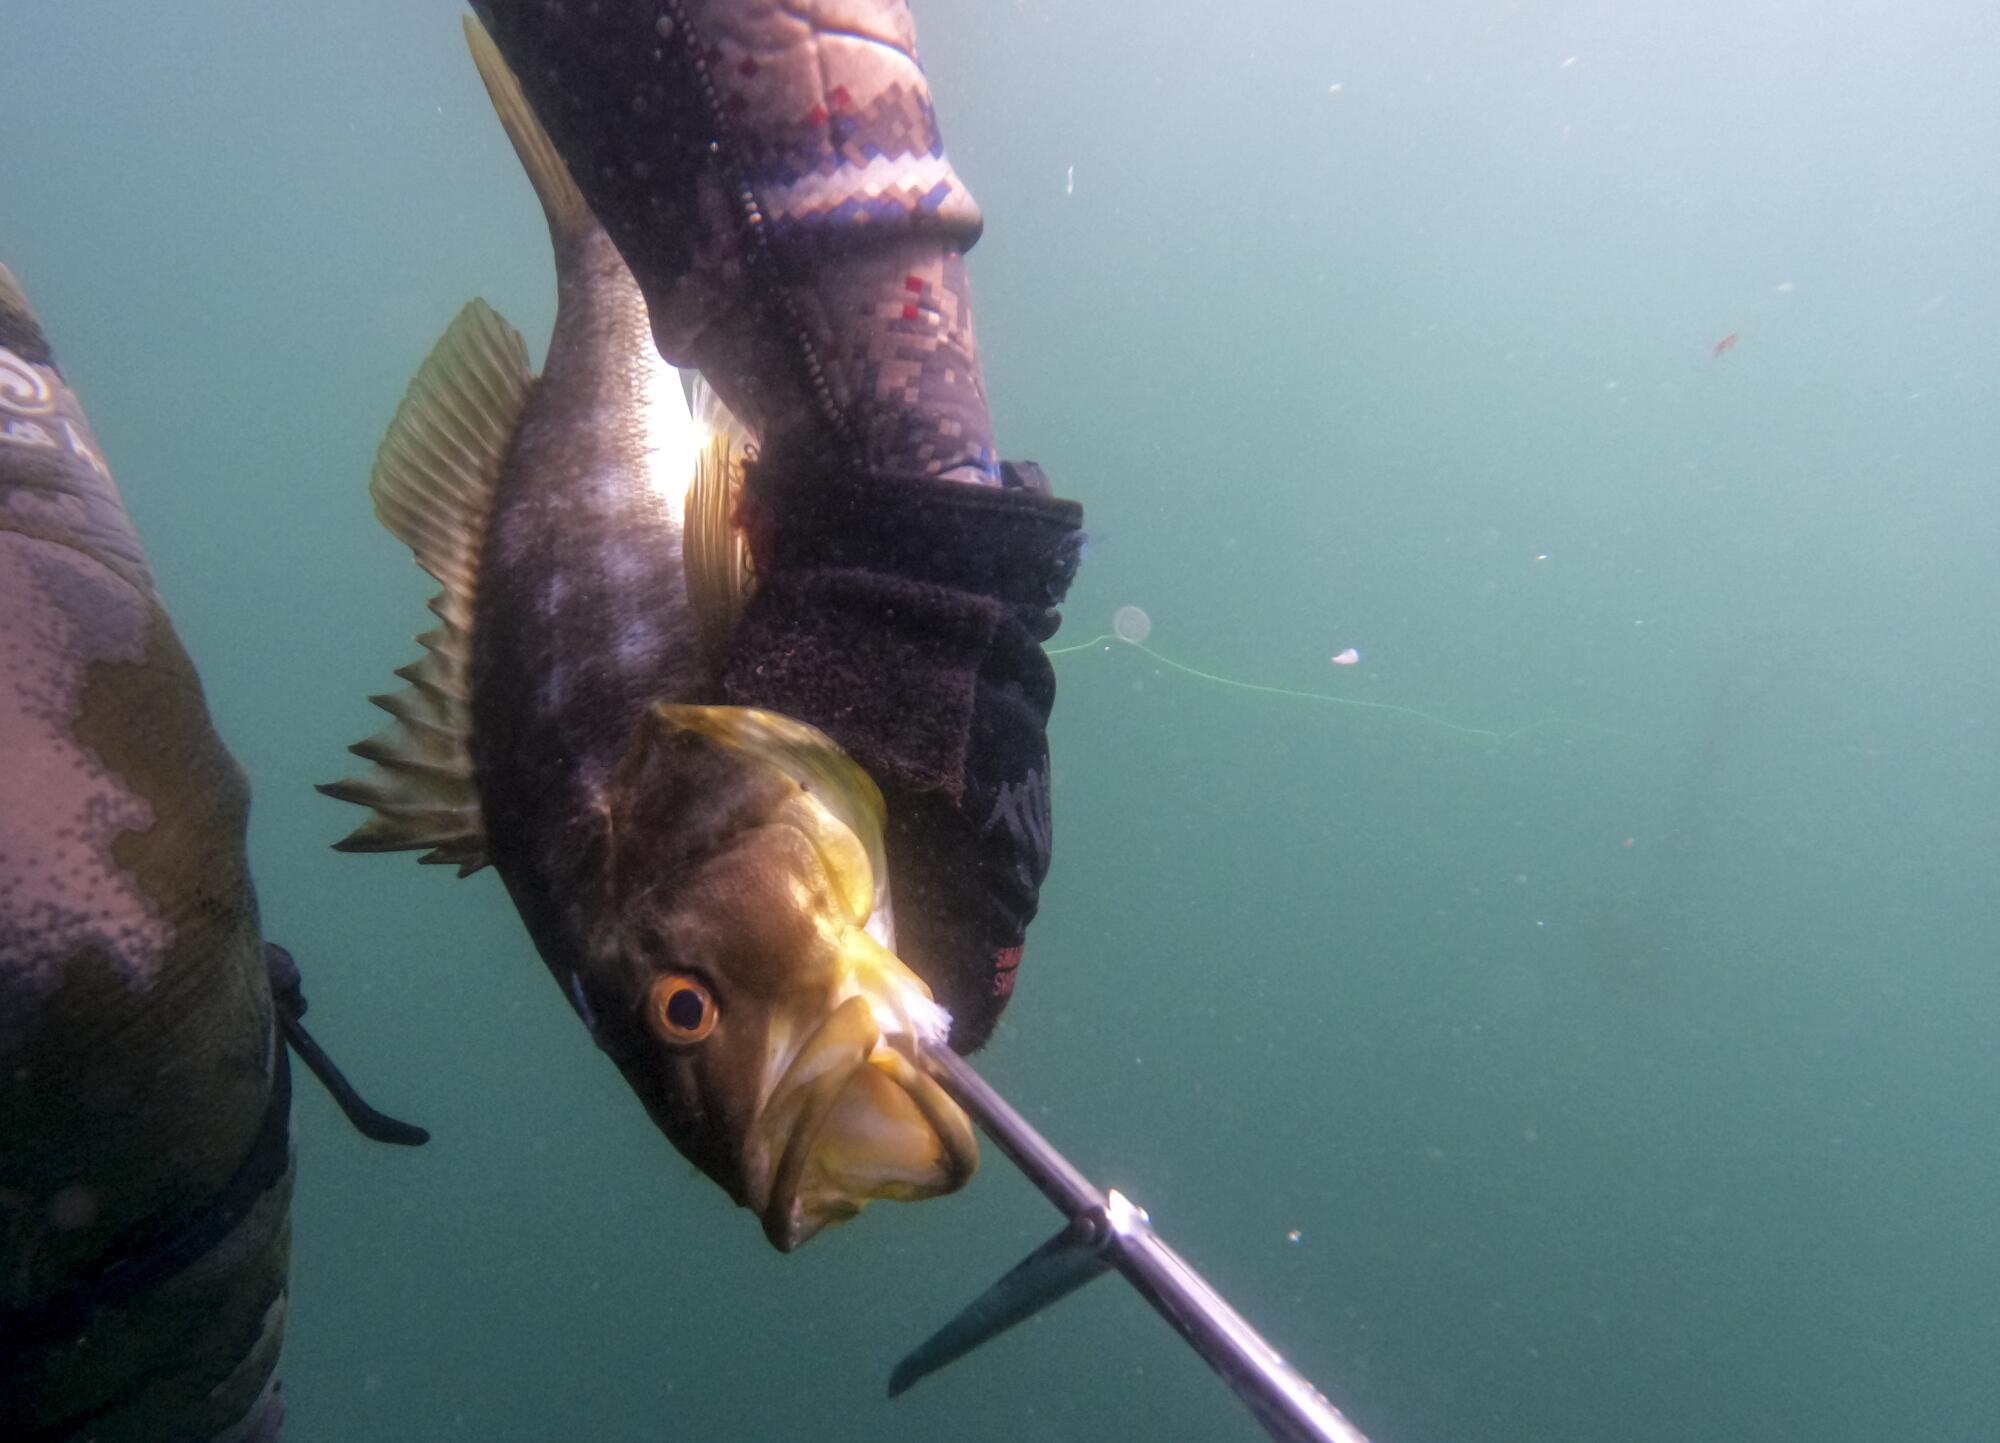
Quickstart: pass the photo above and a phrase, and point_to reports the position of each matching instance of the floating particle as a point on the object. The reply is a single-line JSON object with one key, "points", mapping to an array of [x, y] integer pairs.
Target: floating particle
{"points": [[1784, 288], [1293, 1236], [1131, 624], [1727, 343], [1345, 658], [1069, 182]]}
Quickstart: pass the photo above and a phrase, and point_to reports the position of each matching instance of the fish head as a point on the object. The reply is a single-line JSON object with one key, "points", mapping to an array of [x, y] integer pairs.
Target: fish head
{"points": [[771, 1036]]}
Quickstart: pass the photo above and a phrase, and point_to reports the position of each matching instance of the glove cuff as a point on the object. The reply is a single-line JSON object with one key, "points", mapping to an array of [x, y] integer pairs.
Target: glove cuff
{"points": [[1016, 545], [903, 618]]}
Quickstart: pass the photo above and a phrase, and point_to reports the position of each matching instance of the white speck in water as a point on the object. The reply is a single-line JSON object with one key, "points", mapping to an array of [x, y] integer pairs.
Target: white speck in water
{"points": [[1293, 1236], [1568, 60], [1784, 288], [1069, 181]]}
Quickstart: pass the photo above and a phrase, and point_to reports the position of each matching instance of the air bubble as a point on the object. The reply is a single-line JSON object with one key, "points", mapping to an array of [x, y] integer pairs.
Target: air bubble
{"points": [[1131, 624]]}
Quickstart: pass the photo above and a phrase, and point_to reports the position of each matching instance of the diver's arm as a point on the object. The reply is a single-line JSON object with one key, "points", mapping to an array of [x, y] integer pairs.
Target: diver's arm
{"points": [[774, 177], [145, 1169]]}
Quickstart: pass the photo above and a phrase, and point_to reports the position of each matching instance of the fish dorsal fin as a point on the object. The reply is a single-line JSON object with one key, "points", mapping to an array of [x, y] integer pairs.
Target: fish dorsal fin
{"points": [[713, 551], [809, 757], [433, 489], [562, 202]]}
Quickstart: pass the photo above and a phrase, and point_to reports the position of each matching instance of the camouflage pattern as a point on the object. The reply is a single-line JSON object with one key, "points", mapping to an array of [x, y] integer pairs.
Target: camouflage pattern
{"points": [[138, 1055], [775, 175]]}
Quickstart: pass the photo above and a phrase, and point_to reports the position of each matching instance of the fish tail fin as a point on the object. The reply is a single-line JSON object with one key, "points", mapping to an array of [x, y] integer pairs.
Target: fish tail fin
{"points": [[561, 201]]}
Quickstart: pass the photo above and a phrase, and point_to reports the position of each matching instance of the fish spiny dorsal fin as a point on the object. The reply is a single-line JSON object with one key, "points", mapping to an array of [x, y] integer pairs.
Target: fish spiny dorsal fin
{"points": [[433, 488], [713, 552], [809, 757], [562, 202]]}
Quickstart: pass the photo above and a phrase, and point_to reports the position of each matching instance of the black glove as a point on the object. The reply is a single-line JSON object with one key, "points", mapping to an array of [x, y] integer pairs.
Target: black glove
{"points": [[904, 618]]}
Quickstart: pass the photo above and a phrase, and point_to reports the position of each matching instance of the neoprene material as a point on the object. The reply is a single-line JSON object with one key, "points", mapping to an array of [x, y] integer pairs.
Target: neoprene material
{"points": [[904, 617]]}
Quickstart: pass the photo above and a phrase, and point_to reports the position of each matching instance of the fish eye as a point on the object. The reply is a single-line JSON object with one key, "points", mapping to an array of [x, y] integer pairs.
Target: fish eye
{"points": [[680, 1009]]}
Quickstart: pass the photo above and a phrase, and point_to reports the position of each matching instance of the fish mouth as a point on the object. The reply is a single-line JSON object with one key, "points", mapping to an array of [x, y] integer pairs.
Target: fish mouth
{"points": [[853, 1119]]}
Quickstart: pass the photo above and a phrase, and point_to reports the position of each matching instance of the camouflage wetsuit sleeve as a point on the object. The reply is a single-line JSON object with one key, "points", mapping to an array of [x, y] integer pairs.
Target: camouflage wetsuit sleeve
{"points": [[775, 177], [144, 1078]]}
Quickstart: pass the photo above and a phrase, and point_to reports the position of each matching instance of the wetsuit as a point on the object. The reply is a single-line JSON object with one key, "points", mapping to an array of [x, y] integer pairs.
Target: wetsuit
{"points": [[775, 178], [145, 1148]]}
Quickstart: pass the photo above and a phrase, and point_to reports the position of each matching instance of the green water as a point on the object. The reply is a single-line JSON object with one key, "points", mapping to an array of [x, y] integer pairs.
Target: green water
{"points": [[1582, 1140]]}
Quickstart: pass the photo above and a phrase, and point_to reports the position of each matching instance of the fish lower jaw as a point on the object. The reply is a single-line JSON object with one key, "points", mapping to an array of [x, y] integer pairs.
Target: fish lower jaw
{"points": [[841, 1131]]}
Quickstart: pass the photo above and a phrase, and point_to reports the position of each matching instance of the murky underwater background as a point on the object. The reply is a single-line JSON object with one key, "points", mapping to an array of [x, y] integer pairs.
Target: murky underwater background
{"points": [[1625, 1073]]}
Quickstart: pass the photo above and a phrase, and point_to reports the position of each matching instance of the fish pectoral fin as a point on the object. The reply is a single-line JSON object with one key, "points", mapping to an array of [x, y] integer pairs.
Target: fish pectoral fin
{"points": [[714, 555], [433, 489]]}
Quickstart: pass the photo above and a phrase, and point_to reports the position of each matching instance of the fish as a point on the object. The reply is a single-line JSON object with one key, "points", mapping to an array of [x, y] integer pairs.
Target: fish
{"points": [[705, 883]]}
